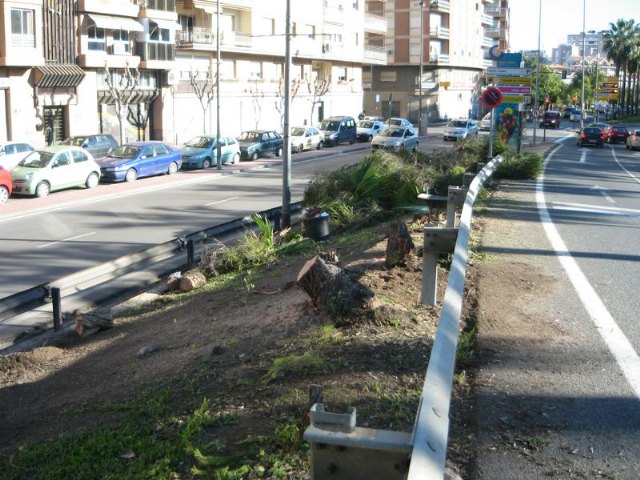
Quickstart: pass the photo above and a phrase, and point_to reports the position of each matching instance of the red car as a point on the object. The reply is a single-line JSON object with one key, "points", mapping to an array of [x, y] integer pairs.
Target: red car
{"points": [[618, 134], [6, 186]]}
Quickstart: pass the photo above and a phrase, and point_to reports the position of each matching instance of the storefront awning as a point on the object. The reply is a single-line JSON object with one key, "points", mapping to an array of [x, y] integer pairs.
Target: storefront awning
{"points": [[52, 76], [138, 96], [115, 23]]}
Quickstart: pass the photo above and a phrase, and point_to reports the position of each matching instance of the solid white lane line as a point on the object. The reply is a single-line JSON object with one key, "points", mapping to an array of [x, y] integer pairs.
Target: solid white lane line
{"points": [[220, 201], [615, 157], [66, 239], [619, 346]]}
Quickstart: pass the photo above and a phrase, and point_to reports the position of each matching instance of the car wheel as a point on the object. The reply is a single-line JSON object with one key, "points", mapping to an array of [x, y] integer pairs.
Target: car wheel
{"points": [[92, 180], [279, 152], [254, 156], [300, 148], [42, 189], [236, 159], [131, 175], [415, 147], [369, 138], [320, 145], [206, 163], [4, 195], [173, 168], [351, 141]]}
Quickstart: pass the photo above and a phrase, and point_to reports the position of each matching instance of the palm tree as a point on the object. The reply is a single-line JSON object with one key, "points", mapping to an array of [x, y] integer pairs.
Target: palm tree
{"points": [[618, 42]]}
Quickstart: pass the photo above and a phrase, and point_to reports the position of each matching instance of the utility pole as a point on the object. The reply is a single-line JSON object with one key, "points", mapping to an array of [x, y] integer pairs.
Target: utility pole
{"points": [[584, 42], [537, 104], [286, 148], [218, 146], [421, 4]]}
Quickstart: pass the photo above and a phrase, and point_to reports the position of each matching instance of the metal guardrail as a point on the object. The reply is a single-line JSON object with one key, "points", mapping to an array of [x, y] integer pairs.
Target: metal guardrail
{"points": [[79, 282], [342, 451]]}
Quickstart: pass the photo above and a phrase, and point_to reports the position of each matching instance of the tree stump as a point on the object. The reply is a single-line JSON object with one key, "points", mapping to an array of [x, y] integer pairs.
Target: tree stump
{"points": [[332, 289], [399, 244], [192, 280]]}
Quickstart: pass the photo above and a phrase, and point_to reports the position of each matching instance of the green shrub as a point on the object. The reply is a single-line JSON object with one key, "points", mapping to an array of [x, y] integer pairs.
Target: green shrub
{"points": [[520, 166]]}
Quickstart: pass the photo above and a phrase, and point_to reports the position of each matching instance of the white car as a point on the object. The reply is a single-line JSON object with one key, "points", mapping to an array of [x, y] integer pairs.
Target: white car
{"points": [[575, 115], [306, 138], [55, 168], [12, 152], [367, 129], [485, 123], [399, 122], [460, 129], [633, 140]]}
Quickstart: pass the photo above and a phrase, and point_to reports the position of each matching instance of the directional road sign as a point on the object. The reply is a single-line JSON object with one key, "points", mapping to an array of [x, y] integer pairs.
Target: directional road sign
{"points": [[508, 72], [514, 90], [514, 80], [512, 98]]}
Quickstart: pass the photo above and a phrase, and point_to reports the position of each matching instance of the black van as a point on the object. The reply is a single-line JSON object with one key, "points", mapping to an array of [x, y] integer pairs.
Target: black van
{"points": [[339, 129]]}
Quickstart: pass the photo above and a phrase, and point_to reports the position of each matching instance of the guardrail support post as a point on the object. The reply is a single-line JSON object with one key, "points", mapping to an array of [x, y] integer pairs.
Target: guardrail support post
{"points": [[190, 254], [56, 303], [455, 200], [436, 241]]}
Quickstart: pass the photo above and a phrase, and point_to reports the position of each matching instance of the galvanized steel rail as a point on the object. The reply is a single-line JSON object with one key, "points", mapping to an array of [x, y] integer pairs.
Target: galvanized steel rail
{"points": [[431, 429]]}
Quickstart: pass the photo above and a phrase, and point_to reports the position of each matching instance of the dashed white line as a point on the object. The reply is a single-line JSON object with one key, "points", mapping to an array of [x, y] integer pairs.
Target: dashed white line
{"points": [[66, 239], [220, 201]]}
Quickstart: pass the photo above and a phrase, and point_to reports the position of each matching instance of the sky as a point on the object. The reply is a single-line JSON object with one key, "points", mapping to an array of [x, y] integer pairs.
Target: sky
{"points": [[563, 17]]}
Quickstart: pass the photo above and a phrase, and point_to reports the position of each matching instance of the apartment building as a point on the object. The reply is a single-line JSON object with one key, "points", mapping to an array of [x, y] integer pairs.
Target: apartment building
{"points": [[436, 52], [64, 65]]}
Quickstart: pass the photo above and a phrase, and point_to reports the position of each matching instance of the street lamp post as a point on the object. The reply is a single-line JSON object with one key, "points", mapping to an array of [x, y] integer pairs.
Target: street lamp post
{"points": [[421, 4], [584, 37], [218, 146], [537, 104]]}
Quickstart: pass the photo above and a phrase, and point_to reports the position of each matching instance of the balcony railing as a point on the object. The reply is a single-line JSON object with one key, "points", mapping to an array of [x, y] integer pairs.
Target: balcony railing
{"points": [[439, 31], [440, 59], [163, 5], [495, 32], [373, 53], [440, 5], [495, 11], [202, 36], [374, 23]]}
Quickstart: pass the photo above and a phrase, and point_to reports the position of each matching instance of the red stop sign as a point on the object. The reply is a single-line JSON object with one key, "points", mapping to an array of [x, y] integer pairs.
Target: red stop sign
{"points": [[491, 97]]}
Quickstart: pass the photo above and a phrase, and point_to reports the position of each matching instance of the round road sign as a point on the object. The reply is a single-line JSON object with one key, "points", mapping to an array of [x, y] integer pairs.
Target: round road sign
{"points": [[491, 97], [535, 112]]}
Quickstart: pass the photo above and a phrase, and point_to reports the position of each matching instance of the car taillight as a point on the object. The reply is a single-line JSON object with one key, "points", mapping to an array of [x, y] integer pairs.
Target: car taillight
{"points": [[583, 135]]}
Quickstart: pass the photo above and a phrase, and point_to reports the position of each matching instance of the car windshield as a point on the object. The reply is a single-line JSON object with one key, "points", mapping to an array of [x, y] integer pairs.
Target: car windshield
{"points": [[592, 130], [458, 124], [75, 141], [392, 132], [37, 160], [249, 137], [125, 151], [329, 125], [620, 129], [297, 132], [365, 124], [201, 142]]}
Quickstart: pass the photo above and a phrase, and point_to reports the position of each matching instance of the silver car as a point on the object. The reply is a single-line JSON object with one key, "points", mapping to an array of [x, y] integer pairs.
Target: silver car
{"points": [[633, 140], [395, 139], [460, 130]]}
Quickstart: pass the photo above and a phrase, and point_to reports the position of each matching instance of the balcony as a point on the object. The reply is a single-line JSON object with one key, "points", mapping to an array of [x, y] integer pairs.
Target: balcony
{"points": [[375, 55], [334, 14], [440, 6], [496, 11], [439, 59], [486, 19], [495, 32], [438, 31], [154, 55], [122, 8], [375, 24], [196, 39], [487, 42]]}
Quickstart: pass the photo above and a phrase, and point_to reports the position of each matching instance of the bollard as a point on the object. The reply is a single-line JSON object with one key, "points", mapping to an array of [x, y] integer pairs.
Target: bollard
{"points": [[436, 241], [190, 254], [56, 304]]}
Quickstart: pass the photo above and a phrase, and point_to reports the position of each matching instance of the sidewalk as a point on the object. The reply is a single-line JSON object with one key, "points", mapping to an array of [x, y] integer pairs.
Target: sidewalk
{"points": [[542, 406]]}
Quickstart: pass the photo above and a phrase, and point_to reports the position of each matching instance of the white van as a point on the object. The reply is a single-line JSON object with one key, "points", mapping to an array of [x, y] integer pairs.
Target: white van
{"points": [[485, 123]]}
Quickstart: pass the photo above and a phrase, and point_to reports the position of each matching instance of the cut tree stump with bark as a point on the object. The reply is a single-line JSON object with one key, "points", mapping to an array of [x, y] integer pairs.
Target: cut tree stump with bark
{"points": [[90, 322], [332, 289], [399, 244]]}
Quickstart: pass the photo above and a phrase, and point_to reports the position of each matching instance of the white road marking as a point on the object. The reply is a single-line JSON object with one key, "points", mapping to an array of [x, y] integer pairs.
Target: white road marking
{"points": [[582, 207], [603, 192], [220, 201], [619, 346], [583, 156], [66, 239], [615, 157]]}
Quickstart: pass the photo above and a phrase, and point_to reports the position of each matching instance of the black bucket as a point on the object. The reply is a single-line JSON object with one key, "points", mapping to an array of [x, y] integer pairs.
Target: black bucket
{"points": [[317, 228]]}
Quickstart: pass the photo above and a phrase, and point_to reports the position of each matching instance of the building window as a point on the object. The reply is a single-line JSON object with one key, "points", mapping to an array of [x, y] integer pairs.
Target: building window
{"points": [[342, 74], [96, 38], [22, 28], [255, 70], [160, 35], [388, 76], [120, 41], [269, 26], [228, 70]]}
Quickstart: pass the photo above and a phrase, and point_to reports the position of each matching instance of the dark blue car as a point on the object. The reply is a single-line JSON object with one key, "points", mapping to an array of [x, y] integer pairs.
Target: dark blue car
{"points": [[139, 159]]}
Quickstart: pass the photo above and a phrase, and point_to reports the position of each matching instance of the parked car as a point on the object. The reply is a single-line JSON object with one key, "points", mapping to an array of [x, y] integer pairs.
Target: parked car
{"points": [[550, 119], [618, 134], [258, 143], [97, 145], [134, 160], [202, 152], [306, 138], [568, 111], [485, 123], [374, 118], [633, 140], [460, 129], [54, 168], [576, 115], [590, 136], [12, 152], [6, 185], [367, 129], [605, 127], [399, 122], [395, 139], [339, 129]]}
